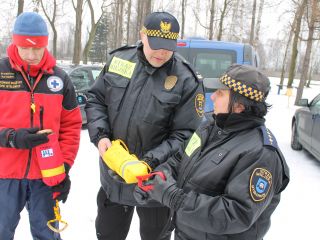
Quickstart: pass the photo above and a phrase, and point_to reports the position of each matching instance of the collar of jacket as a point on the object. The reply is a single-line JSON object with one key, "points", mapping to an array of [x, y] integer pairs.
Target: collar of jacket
{"points": [[234, 122], [148, 67]]}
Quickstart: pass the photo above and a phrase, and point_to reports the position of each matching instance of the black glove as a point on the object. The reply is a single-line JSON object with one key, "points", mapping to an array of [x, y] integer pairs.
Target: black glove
{"points": [[164, 191], [26, 138], [63, 188], [141, 196]]}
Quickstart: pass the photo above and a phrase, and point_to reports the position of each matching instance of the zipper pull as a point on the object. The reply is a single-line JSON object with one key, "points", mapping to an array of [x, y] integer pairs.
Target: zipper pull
{"points": [[33, 105]]}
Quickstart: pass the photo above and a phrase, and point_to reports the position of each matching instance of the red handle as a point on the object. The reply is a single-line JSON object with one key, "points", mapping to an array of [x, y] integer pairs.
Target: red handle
{"points": [[55, 194], [143, 178]]}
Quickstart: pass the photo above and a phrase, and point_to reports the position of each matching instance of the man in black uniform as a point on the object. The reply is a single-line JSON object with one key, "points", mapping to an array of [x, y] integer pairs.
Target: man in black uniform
{"points": [[149, 97], [227, 182]]}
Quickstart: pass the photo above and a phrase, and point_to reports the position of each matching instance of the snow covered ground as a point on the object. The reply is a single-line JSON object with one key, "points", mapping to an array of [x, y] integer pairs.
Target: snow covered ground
{"points": [[296, 218]]}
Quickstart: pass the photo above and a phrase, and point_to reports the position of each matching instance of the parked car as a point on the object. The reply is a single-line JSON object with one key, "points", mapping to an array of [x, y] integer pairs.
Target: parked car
{"points": [[82, 78], [212, 58], [306, 127]]}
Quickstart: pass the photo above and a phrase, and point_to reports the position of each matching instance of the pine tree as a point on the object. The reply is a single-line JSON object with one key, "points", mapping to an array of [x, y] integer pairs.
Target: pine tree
{"points": [[100, 44]]}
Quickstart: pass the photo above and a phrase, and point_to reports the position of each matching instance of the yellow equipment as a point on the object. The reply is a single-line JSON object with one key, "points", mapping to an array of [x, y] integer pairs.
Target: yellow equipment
{"points": [[126, 165], [58, 219]]}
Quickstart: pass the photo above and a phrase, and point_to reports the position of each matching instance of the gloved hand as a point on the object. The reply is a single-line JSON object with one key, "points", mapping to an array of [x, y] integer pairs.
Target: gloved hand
{"points": [[63, 188], [141, 196], [164, 191], [26, 138]]}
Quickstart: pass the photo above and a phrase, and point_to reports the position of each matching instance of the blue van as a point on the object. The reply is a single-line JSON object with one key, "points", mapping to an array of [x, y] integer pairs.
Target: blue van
{"points": [[212, 58]]}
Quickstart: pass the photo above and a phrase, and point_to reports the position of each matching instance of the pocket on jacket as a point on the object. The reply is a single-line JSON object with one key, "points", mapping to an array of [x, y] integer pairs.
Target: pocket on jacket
{"points": [[161, 107], [115, 90], [219, 156]]}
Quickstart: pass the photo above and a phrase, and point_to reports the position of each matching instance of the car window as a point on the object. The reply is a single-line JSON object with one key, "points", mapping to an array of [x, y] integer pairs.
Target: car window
{"points": [[80, 79], [211, 64], [316, 101], [95, 73]]}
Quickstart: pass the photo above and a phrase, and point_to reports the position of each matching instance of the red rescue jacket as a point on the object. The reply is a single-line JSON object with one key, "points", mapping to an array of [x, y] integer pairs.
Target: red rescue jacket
{"points": [[55, 103]]}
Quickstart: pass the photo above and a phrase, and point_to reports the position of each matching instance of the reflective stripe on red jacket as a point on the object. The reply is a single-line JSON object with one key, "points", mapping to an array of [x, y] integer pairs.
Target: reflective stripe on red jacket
{"points": [[55, 103]]}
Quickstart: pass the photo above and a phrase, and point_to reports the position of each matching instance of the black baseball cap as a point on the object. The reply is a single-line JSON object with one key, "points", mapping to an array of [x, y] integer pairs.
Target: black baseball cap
{"points": [[162, 30], [245, 80]]}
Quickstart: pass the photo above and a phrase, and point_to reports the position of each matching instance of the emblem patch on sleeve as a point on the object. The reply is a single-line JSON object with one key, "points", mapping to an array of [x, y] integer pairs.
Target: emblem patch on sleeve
{"points": [[122, 67], [54, 83], [260, 184], [199, 104]]}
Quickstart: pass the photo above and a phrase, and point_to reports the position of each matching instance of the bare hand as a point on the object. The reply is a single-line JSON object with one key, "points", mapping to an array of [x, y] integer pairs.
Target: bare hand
{"points": [[103, 145]]}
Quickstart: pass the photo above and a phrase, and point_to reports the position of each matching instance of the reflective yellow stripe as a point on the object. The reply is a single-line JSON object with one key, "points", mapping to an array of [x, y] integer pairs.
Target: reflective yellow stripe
{"points": [[122, 67], [53, 171]]}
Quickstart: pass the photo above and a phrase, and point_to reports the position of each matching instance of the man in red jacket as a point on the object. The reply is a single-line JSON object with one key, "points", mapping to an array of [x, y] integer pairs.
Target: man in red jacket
{"points": [[34, 95]]}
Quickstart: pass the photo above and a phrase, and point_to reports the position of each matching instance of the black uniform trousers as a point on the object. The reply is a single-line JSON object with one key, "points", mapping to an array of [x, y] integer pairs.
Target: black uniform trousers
{"points": [[113, 220]]}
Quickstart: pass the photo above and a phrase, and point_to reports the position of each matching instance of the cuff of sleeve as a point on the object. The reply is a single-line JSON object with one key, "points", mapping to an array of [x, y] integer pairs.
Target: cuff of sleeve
{"points": [[152, 163]]}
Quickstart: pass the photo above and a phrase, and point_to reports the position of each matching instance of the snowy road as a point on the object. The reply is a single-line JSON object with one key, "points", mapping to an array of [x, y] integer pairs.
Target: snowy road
{"points": [[296, 218]]}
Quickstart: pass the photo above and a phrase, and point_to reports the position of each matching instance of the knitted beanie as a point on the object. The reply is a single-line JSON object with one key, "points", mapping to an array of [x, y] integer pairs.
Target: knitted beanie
{"points": [[30, 30]]}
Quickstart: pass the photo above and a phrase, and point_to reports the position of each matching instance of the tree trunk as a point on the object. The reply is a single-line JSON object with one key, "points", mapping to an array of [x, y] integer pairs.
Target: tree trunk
{"points": [[77, 34], [128, 21], [183, 6], [283, 70], [52, 24], [234, 20], [253, 21], [294, 53], [256, 39], [223, 14], [211, 20], [20, 7], [306, 61]]}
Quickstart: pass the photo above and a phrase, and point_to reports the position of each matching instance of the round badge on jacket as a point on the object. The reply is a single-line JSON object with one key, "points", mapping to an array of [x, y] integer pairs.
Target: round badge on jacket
{"points": [[54, 83], [260, 184]]}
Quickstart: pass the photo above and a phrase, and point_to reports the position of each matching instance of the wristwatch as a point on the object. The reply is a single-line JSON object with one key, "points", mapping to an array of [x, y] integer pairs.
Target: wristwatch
{"points": [[11, 138]]}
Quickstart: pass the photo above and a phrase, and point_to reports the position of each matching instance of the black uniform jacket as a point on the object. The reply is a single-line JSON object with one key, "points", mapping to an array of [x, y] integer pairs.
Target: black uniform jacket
{"points": [[232, 178], [153, 110]]}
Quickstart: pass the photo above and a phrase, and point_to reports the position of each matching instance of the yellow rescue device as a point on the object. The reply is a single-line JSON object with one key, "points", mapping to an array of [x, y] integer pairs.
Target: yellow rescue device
{"points": [[126, 165], [57, 219]]}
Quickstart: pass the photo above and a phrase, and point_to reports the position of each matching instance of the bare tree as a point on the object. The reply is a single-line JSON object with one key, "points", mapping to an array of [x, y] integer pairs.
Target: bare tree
{"points": [[256, 37], [226, 3], [52, 23], [287, 48], [253, 21], [314, 14], [77, 34], [183, 11], [20, 7], [128, 21], [211, 19], [294, 52]]}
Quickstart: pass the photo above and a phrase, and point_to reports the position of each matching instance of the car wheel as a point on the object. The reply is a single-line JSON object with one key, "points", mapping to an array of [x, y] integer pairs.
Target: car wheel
{"points": [[295, 145]]}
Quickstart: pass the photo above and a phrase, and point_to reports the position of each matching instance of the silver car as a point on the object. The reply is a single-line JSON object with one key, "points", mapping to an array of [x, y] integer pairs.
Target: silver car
{"points": [[306, 127], [82, 78]]}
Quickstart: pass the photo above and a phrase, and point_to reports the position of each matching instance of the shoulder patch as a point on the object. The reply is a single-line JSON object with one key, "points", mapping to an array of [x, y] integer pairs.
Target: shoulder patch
{"points": [[122, 48], [260, 184], [268, 137], [199, 104], [122, 67]]}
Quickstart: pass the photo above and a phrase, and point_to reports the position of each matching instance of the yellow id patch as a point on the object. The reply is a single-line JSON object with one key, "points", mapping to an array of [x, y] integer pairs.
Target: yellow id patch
{"points": [[199, 104], [193, 144], [260, 184], [122, 67]]}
